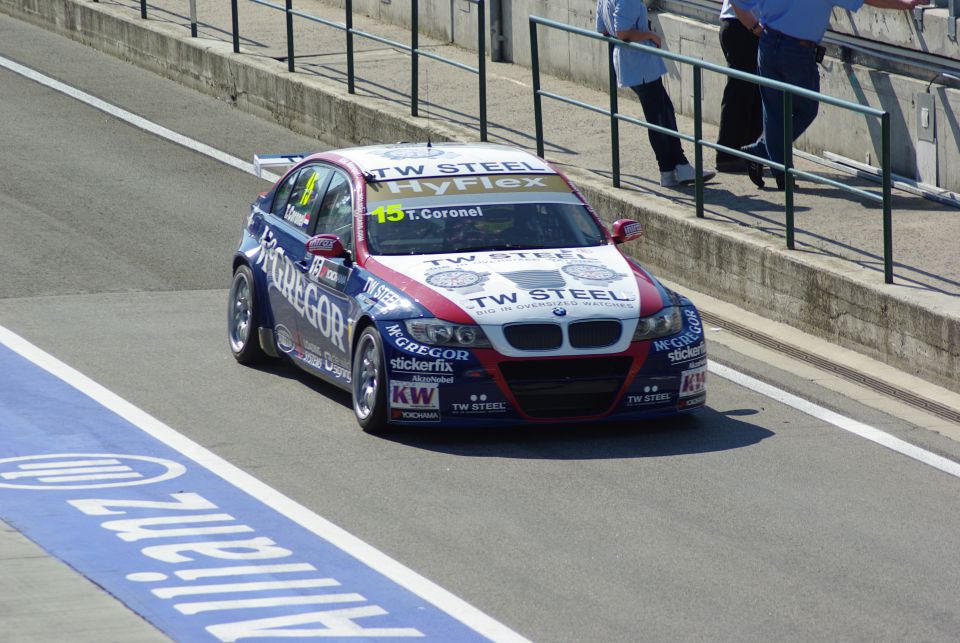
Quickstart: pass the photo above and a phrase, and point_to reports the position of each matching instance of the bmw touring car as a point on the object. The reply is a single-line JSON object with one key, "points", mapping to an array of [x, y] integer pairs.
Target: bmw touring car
{"points": [[458, 285]]}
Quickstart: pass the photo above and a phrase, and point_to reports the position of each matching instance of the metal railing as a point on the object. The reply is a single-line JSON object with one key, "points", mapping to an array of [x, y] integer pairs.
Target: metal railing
{"points": [[697, 139], [413, 48]]}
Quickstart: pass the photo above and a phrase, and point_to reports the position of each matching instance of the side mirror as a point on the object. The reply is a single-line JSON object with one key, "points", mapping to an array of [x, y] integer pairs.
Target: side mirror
{"points": [[626, 230], [326, 245]]}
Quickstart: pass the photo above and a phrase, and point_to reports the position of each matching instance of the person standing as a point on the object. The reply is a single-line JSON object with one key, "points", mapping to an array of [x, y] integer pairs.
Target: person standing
{"points": [[789, 43], [642, 72], [741, 115]]}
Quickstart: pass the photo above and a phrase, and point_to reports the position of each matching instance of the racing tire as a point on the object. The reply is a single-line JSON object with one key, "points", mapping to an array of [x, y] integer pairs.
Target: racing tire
{"points": [[369, 382], [243, 321]]}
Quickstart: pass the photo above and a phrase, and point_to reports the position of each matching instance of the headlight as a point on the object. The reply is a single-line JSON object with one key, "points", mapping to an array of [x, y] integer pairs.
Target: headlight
{"points": [[440, 333], [666, 322]]}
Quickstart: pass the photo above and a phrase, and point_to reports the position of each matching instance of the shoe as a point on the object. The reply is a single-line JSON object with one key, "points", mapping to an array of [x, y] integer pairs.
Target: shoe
{"points": [[668, 179], [755, 170], [687, 174]]}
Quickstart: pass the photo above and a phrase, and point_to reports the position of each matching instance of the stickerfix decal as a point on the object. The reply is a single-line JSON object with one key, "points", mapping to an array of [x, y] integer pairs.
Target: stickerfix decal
{"points": [[395, 333], [680, 355], [414, 365], [693, 381], [305, 297]]}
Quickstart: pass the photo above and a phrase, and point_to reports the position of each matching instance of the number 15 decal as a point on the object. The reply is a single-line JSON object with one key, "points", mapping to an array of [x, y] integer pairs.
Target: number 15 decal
{"points": [[392, 212]]}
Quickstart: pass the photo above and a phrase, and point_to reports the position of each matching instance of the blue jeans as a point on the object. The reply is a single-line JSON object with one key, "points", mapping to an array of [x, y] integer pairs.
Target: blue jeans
{"points": [[658, 110], [785, 59]]}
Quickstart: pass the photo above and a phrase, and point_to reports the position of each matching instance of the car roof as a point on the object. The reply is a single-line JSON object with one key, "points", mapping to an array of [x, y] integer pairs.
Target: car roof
{"points": [[413, 160]]}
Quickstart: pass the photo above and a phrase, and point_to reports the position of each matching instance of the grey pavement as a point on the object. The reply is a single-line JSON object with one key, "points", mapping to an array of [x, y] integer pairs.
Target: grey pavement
{"points": [[830, 286], [41, 597]]}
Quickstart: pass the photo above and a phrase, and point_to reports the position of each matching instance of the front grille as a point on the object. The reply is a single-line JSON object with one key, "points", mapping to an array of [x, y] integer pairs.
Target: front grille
{"points": [[562, 388], [594, 334], [534, 337]]}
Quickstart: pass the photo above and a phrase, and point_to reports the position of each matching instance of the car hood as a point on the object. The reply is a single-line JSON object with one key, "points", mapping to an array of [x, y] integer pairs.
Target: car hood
{"points": [[528, 285]]}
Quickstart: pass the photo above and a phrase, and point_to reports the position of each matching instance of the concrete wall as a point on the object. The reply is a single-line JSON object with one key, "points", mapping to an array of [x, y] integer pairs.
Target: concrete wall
{"points": [[838, 131]]}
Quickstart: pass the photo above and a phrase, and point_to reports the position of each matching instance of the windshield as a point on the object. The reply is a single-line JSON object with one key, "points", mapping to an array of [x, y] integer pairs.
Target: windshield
{"points": [[401, 221]]}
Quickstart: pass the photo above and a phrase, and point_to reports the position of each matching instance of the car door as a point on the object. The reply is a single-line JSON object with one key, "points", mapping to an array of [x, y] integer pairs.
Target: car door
{"points": [[327, 328], [291, 218]]}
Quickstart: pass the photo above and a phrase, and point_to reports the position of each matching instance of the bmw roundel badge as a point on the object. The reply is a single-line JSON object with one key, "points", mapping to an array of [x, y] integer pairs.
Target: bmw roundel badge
{"points": [[559, 312]]}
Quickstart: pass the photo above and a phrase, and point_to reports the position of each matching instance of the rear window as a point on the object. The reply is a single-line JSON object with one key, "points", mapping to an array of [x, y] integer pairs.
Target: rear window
{"points": [[476, 213]]}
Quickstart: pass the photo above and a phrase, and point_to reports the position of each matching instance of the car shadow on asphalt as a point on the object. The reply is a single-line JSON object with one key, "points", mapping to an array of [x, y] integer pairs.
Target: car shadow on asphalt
{"points": [[703, 431]]}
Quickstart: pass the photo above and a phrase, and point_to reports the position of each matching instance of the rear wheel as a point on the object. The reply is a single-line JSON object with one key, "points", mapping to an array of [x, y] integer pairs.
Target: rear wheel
{"points": [[243, 322], [369, 382]]}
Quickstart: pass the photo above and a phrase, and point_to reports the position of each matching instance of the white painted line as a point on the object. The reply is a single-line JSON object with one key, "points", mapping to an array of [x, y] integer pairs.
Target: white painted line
{"points": [[365, 553], [837, 420], [133, 119]]}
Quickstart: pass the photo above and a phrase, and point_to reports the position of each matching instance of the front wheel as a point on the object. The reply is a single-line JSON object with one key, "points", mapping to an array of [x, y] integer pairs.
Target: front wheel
{"points": [[369, 382], [243, 322]]}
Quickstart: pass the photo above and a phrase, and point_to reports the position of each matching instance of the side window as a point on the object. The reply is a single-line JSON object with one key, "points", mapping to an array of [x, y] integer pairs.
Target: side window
{"points": [[301, 207], [282, 194], [336, 211]]}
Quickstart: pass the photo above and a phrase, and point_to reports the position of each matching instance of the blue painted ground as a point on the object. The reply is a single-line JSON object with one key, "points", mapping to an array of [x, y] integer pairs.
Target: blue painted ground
{"points": [[194, 555]]}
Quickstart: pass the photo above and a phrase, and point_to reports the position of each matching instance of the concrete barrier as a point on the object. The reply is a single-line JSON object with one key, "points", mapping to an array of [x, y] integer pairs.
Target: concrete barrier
{"points": [[918, 332]]}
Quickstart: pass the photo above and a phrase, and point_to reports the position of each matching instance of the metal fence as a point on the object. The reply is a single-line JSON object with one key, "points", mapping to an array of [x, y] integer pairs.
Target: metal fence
{"points": [[697, 139], [347, 27]]}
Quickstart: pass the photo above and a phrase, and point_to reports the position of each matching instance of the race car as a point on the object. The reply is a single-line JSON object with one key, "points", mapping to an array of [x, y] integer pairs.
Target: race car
{"points": [[458, 285]]}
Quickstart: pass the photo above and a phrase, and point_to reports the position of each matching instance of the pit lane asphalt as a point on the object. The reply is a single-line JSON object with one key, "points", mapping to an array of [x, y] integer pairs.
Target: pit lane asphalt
{"points": [[750, 522]]}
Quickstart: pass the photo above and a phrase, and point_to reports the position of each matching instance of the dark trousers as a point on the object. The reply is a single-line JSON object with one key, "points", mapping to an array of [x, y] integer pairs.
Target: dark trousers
{"points": [[741, 114], [790, 61], [658, 110]]}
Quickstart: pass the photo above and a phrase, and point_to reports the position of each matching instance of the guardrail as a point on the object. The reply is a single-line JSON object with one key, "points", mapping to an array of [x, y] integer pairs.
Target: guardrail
{"points": [[413, 48], [697, 138]]}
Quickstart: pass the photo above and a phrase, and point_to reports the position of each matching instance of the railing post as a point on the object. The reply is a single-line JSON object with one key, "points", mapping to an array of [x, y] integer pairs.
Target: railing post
{"points": [[235, 18], [788, 163], [348, 19], [414, 61], [193, 18], [887, 204], [482, 66], [697, 136], [614, 121], [290, 63], [535, 69], [143, 9]]}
